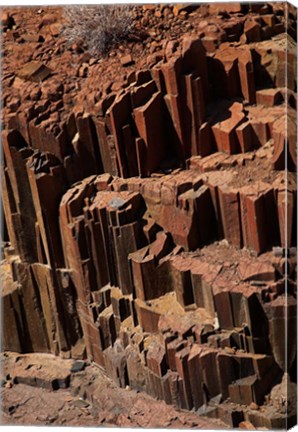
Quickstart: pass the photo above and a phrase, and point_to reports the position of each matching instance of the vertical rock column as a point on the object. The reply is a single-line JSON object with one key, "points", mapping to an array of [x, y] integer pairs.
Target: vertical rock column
{"points": [[99, 229], [16, 195]]}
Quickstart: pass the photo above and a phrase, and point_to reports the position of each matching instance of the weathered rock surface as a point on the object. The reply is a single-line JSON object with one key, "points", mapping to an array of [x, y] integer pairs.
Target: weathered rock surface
{"points": [[77, 402], [150, 216]]}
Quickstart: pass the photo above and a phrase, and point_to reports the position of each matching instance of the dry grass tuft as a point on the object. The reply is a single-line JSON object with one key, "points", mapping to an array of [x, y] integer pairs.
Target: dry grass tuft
{"points": [[97, 28]]}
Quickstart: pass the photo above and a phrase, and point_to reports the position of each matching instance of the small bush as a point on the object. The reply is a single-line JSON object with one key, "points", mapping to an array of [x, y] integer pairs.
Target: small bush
{"points": [[97, 28]]}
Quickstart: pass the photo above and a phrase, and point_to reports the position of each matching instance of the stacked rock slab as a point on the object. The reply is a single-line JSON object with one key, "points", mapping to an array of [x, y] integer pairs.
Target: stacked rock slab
{"points": [[161, 114], [144, 235], [132, 283]]}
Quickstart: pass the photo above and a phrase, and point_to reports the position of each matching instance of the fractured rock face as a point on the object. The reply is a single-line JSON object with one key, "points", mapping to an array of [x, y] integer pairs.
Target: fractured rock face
{"points": [[105, 233], [150, 221]]}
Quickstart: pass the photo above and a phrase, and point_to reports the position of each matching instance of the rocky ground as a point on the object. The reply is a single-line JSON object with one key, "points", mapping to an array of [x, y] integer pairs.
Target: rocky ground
{"points": [[36, 34], [28, 397]]}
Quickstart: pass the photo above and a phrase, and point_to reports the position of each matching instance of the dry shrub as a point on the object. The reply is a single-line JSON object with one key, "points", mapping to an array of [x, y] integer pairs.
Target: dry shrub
{"points": [[97, 28]]}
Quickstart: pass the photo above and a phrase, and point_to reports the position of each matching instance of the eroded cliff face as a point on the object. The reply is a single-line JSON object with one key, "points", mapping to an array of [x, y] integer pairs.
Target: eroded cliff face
{"points": [[152, 228]]}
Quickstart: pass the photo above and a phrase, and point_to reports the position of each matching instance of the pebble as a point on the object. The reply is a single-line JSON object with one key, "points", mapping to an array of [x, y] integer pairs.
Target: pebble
{"points": [[126, 60], [51, 419], [80, 403], [254, 406], [78, 366]]}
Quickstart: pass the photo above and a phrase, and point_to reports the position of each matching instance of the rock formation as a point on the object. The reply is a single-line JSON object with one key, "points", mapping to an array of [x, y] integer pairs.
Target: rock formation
{"points": [[151, 227]]}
